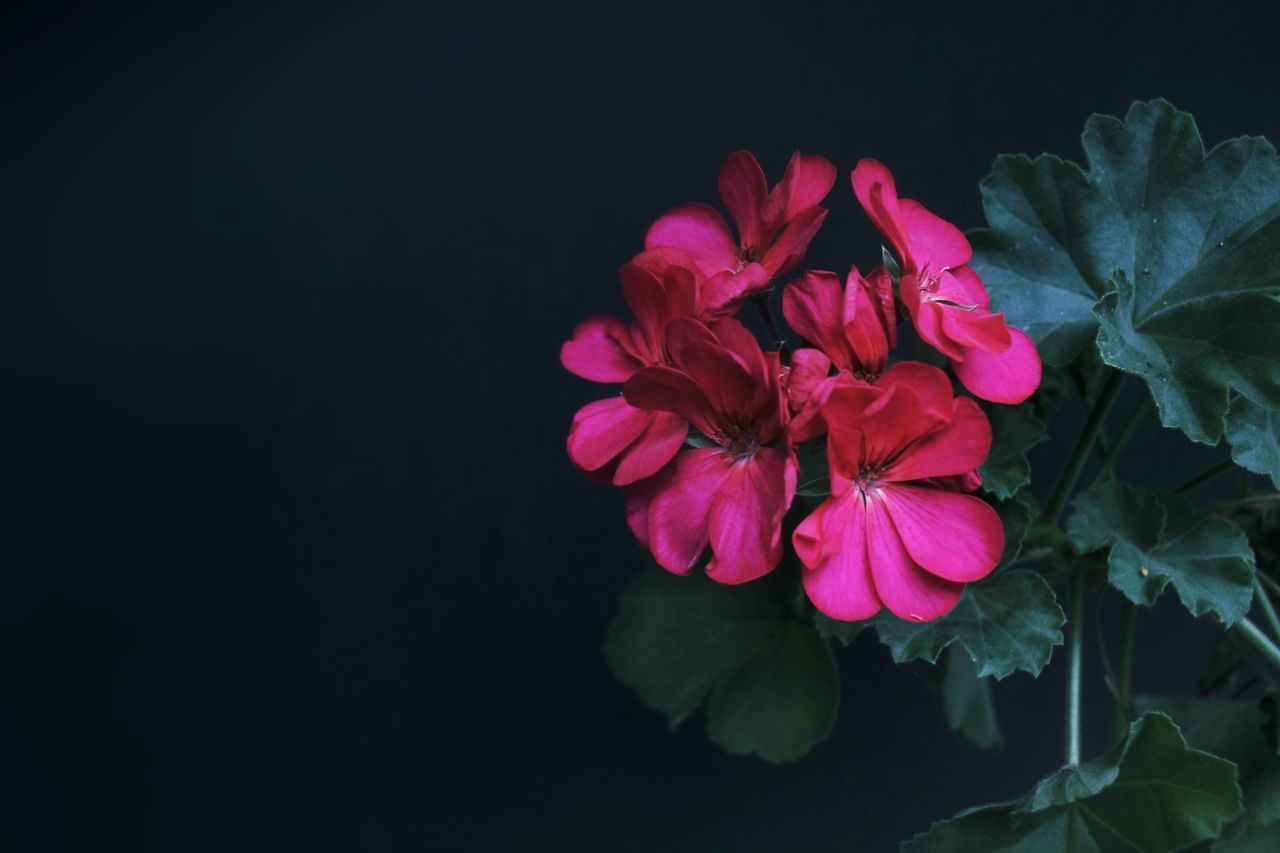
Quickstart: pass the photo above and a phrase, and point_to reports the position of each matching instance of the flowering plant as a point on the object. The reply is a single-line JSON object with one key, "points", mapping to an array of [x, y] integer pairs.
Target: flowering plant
{"points": [[833, 484]]}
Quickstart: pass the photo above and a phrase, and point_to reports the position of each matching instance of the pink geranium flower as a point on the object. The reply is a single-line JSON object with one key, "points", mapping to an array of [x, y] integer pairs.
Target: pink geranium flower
{"points": [[896, 531], [944, 296], [774, 227], [733, 494], [853, 327]]}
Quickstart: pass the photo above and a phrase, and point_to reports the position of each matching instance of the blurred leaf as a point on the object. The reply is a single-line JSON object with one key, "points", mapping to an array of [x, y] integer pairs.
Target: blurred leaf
{"points": [[1149, 793], [967, 703], [1016, 515], [1007, 622], [1014, 431], [769, 678], [1171, 258], [1254, 435], [1156, 540], [819, 488]]}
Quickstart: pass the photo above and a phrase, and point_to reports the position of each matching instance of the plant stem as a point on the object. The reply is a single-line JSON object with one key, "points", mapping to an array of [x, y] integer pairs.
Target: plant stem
{"points": [[1080, 453], [761, 300], [1127, 636], [1073, 670], [1250, 501], [1127, 429], [1205, 476], [1267, 610], [1254, 635]]}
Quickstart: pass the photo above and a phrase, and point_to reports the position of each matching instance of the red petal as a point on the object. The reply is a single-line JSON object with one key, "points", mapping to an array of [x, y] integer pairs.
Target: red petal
{"points": [[603, 429], [956, 537], [699, 231], [723, 293], [793, 242], [670, 390], [906, 589], [930, 384], [746, 519], [806, 183], [1005, 377], [814, 308], [933, 240], [681, 508], [743, 190], [655, 447], [975, 329], [957, 448], [600, 350], [929, 321], [864, 323], [837, 577], [873, 185]]}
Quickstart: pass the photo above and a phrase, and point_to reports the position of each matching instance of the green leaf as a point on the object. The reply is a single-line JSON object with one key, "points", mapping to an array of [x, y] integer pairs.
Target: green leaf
{"points": [[967, 702], [1007, 622], [1158, 539], [1254, 435], [1149, 793], [1014, 431], [1016, 515], [1234, 730], [770, 679], [1170, 256], [819, 488], [891, 264]]}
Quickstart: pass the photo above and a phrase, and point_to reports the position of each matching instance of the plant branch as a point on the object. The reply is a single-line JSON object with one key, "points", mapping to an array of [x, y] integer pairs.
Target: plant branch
{"points": [[1205, 476], [1073, 670], [761, 300], [1267, 609], [1243, 502], [1258, 640], [1084, 444], [1127, 429], [1128, 633]]}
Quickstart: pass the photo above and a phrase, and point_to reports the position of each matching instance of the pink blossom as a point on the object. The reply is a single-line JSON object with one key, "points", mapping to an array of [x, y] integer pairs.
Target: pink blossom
{"points": [[896, 530], [733, 495], [944, 295], [774, 227]]}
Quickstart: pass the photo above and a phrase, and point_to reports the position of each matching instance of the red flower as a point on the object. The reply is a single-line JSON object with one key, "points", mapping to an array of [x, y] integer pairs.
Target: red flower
{"points": [[733, 495], [853, 326], [774, 227], [947, 301], [896, 531]]}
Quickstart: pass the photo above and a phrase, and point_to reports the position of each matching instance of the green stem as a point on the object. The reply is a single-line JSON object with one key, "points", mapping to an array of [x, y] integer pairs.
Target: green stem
{"points": [[1127, 429], [1267, 610], [761, 300], [1242, 502], [1127, 636], [1084, 444], [1205, 476], [1073, 670], [1254, 635]]}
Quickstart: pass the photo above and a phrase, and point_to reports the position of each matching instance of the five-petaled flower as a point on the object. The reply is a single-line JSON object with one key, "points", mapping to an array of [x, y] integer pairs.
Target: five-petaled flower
{"points": [[896, 531], [944, 296], [774, 226]]}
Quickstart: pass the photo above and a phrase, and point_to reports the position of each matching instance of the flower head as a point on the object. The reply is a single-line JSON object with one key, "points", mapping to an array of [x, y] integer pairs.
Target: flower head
{"points": [[897, 531], [733, 494], [944, 295], [774, 226]]}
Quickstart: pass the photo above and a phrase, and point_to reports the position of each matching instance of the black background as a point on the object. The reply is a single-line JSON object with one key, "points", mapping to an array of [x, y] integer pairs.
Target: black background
{"points": [[295, 557]]}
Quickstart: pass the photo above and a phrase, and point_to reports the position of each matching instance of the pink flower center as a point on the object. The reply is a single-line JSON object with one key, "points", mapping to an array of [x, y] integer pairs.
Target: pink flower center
{"points": [[927, 283], [746, 255], [738, 440], [867, 478]]}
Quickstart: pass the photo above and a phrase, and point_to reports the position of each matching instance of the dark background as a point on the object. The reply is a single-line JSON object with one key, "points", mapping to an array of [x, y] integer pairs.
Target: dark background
{"points": [[295, 558]]}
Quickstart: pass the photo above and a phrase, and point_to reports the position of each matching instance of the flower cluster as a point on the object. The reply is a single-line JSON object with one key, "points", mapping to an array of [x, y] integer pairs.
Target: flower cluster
{"points": [[705, 432]]}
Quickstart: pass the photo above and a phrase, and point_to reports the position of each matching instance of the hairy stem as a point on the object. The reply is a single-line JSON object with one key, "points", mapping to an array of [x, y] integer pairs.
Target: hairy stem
{"points": [[1084, 444], [1073, 670], [1205, 476], [1267, 609], [1128, 633], [1258, 640]]}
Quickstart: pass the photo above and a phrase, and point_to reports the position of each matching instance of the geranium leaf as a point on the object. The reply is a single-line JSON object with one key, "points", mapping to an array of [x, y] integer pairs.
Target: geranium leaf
{"points": [[1170, 255], [1234, 730], [1254, 435], [1156, 540], [967, 702], [1009, 621], [1016, 514], [1014, 431], [1150, 793], [769, 678]]}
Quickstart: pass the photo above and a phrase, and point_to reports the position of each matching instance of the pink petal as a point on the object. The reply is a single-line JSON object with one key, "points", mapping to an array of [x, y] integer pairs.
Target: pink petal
{"points": [[603, 429], [600, 350], [808, 386], [746, 519], [894, 420], [639, 497], [655, 447], [647, 299], [832, 545], [933, 239], [906, 589], [864, 323], [789, 247], [724, 292], [699, 231], [975, 329], [681, 508], [873, 185], [928, 318], [930, 384], [968, 287], [956, 537], [725, 382], [806, 183], [959, 447], [670, 390], [880, 284], [1005, 377], [814, 308], [743, 190]]}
